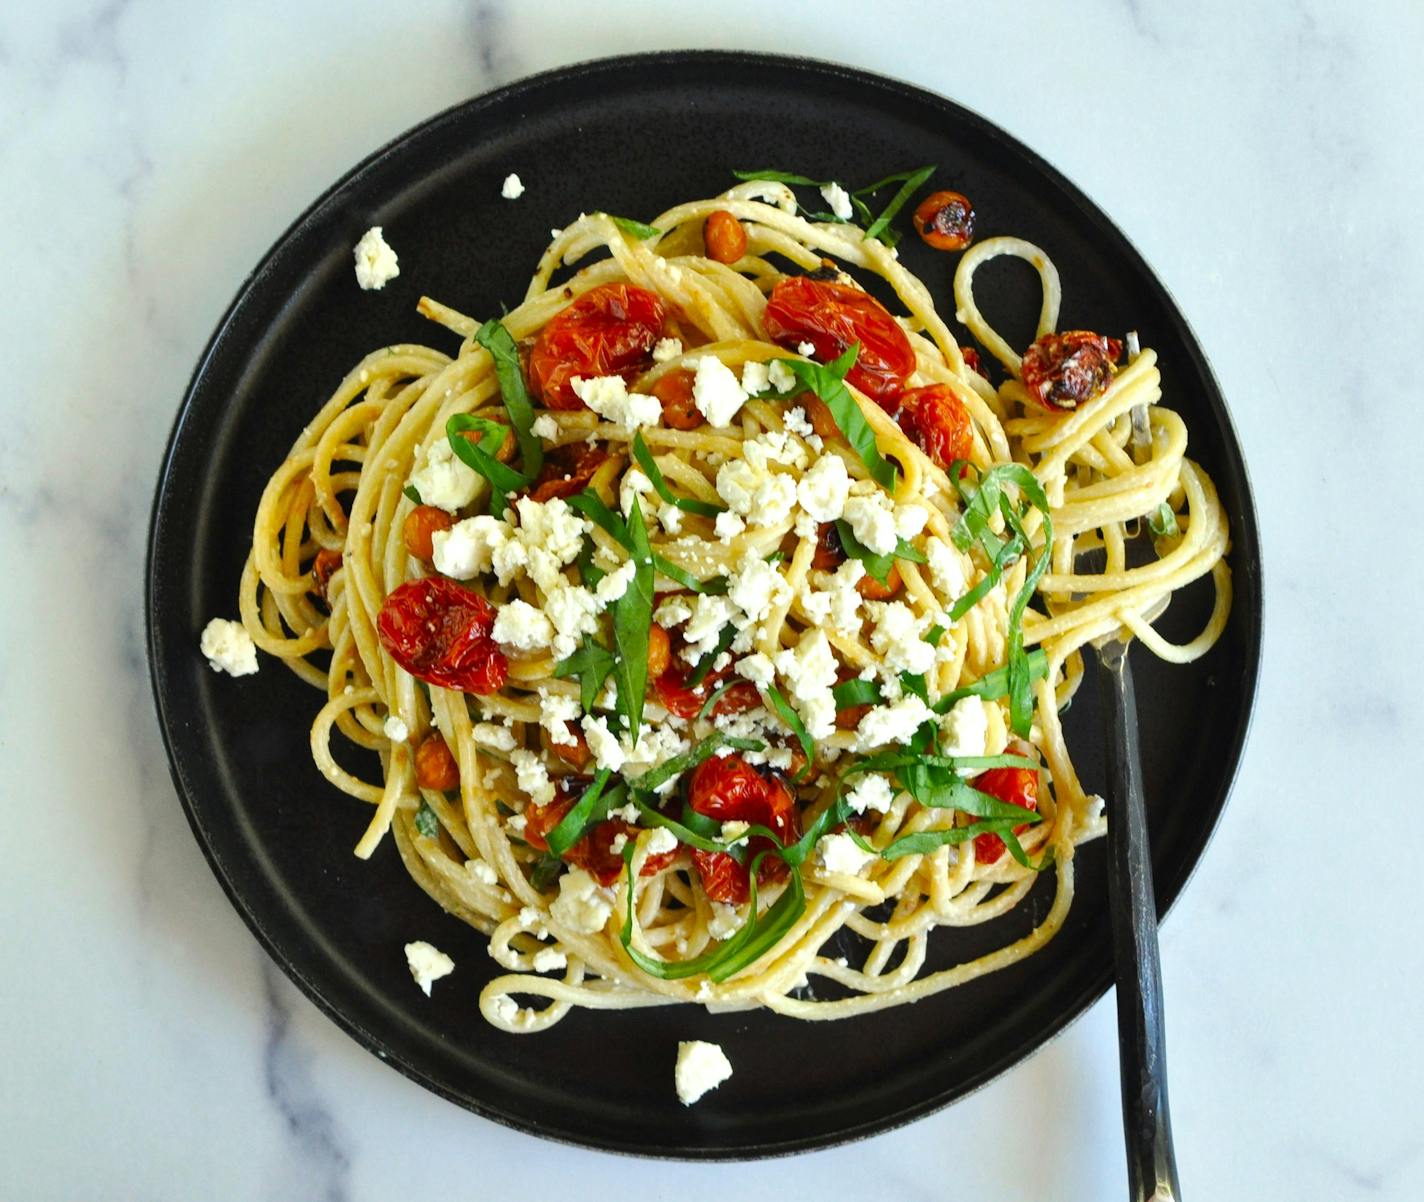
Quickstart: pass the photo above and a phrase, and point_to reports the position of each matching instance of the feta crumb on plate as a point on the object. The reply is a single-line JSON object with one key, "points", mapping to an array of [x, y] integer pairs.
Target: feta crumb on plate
{"points": [[839, 200], [376, 263], [701, 1067], [513, 187], [229, 647], [427, 964]]}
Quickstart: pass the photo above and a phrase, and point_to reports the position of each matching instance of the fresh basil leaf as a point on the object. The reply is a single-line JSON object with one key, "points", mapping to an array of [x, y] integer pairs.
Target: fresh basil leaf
{"points": [[713, 585], [781, 177], [413, 494], [907, 189], [592, 664], [923, 842], [589, 572], [696, 830], [855, 692], [993, 685], [632, 618], [715, 696], [708, 828], [877, 565], [898, 178], [426, 822], [1011, 841], [704, 665], [1163, 521], [933, 635], [637, 228], [500, 345], [679, 764], [1020, 690], [650, 468], [827, 381], [914, 682], [545, 871], [592, 507], [792, 720], [503, 478], [776, 556], [592, 806]]}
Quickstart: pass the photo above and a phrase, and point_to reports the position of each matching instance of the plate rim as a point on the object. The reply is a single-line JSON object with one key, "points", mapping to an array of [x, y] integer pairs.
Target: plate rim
{"points": [[1246, 564]]}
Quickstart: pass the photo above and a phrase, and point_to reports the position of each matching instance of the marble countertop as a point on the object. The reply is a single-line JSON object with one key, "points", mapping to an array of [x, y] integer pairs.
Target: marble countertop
{"points": [[1265, 159]]}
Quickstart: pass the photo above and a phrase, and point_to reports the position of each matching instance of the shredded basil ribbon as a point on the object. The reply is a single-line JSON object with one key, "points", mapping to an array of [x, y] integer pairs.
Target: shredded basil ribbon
{"points": [[877, 565], [650, 468], [592, 507], [632, 617], [500, 345], [912, 181], [981, 501], [637, 228], [679, 764], [591, 807], [503, 479], [1163, 521], [878, 227], [592, 664], [704, 665], [413, 494], [827, 381], [993, 685], [426, 821], [798, 728]]}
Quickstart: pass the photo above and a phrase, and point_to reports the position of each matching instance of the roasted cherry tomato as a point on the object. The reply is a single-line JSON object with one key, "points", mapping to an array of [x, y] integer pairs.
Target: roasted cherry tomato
{"points": [[849, 717], [831, 317], [323, 569], [608, 331], [829, 554], [594, 850], [876, 590], [435, 766], [937, 422], [567, 470], [728, 789], [1063, 371], [440, 632], [421, 524], [945, 220], [1017, 786], [971, 359], [675, 697], [674, 393]]}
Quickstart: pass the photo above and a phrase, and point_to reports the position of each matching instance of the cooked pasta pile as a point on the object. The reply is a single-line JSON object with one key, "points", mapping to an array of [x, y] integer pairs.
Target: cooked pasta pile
{"points": [[804, 576]]}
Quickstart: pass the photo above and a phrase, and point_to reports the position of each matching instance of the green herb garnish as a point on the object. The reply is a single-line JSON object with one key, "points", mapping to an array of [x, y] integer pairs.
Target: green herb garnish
{"points": [[591, 807], [632, 617], [827, 381], [798, 728], [912, 181], [426, 821], [592, 507], [650, 468], [500, 344], [704, 665], [479, 455], [637, 228], [413, 494], [877, 565], [1163, 521], [592, 664]]}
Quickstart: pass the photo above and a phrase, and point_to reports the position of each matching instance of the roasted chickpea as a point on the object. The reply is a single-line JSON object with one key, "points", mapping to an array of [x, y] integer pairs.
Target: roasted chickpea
{"points": [[435, 766], [674, 392], [725, 238], [872, 590], [659, 651], [421, 523]]}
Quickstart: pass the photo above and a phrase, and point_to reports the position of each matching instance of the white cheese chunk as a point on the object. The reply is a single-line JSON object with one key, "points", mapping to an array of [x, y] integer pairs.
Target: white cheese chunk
{"points": [[872, 791], [427, 964], [807, 349], [607, 750], [872, 520], [661, 841], [841, 853], [824, 490], [229, 647], [376, 263], [582, 905], [781, 377], [549, 959], [545, 427], [756, 377], [443, 479], [965, 729], [839, 200], [809, 670], [395, 730], [556, 711], [886, 725], [701, 1067], [666, 350], [608, 396], [494, 735], [897, 637], [513, 187], [716, 391], [532, 776], [519, 625]]}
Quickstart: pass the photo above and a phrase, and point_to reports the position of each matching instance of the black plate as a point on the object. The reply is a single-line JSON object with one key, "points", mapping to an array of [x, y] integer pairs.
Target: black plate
{"points": [[632, 136]]}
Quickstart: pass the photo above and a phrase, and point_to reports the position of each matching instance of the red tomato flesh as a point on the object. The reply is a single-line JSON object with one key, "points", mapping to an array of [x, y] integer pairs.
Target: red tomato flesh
{"points": [[728, 789], [608, 331], [440, 632], [594, 850], [831, 317], [1017, 786], [1063, 371], [937, 422]]}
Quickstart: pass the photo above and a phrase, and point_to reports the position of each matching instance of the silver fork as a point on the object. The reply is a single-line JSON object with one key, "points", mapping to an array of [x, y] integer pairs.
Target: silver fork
{"points": [[1142, 1052]]}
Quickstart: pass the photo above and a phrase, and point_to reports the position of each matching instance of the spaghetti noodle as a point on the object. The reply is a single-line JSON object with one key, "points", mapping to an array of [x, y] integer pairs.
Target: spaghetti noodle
{"points": [[788, 539]]}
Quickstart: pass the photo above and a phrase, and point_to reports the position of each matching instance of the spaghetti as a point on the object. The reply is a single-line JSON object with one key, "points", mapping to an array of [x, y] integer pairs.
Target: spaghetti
{"points": [[708, 490]]}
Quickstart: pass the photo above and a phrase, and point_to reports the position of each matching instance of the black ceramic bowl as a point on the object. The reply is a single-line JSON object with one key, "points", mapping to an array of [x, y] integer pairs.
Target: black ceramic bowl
{"points": [[632, 136]]}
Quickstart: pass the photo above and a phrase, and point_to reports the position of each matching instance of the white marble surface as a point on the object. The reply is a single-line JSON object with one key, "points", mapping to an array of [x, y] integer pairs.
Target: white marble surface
{"points": [[1265, 158]]}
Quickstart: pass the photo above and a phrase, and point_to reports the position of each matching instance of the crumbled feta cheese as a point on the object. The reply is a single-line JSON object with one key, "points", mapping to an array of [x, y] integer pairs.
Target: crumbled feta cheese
{"points": [[897, 637], [872, 520], [482, 871], [615, 584], [756, 377], [556, 711], [795, 420], [443, 479], [873, 791], [670, 517], [824, 490], [839, 200], [763, 498], [532, 776], [468, 547], [725, 922], [607, 751], [809, 670], [513, 187], [672, 612], [716, 392], [492, 734], [806, 349], [545, 427], [549, 959], [781, 377], [728, 525], [608, 396], [815, 605], [229, 647], [574, 612], [946, 570], [395, 730], [519, 625], [756, 587], [633, 485], [756, 668], [376, 263], [552, 526], [620, 841], [841, 853], [845, 599], [965, 729], [582, 905], [667, 349], [701, 1067], [886, 725], [910, 519], [661, 841], [709, 615], [427, 964]]}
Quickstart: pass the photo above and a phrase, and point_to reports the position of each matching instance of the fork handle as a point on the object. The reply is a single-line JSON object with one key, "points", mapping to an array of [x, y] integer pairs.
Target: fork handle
{"points": [[1146, 1122]]}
